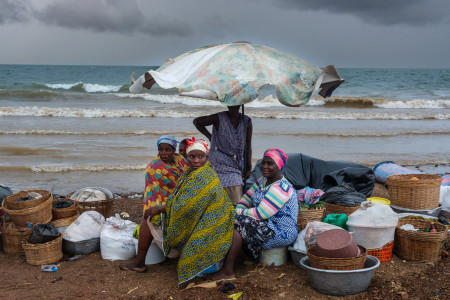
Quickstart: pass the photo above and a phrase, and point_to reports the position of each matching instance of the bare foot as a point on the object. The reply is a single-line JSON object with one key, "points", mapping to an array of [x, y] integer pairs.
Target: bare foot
{"points": [[220, 276]]}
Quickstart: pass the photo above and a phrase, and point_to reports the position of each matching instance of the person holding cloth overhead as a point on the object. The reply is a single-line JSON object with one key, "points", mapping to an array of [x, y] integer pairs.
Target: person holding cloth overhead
{"points": [[230, 140]]}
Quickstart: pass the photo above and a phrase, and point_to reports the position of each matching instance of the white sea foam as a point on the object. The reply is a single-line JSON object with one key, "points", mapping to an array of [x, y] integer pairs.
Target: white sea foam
{"points": [[92, 168], [414, 104], [95, 88], [63, 86], [64, 132], [126, 113]]}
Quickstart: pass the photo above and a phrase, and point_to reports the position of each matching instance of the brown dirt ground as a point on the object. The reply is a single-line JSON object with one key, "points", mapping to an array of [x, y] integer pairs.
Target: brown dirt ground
{"points": [[92, 277]]}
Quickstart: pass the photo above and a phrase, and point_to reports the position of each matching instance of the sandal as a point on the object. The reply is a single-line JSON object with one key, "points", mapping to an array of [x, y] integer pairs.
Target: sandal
{"points": [[128, 267]]}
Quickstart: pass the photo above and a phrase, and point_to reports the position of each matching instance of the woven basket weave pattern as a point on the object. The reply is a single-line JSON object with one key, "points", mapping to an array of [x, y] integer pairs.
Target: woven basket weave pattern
{"points": [[306, 216], [9, 202], [40, 254], [41, 213], [13, 236], [325, 263], [339, 209], [422, 193], [419, 245]]}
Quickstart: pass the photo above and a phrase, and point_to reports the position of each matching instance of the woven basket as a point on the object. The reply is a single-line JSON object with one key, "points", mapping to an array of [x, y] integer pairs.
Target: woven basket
{"points": [[326, 263], [10, 203], [419, 245], [62, 213], [414, 194], [65, 221], [13, 236], [34, 215], [383, 254], [331, 208], [103, 206], [41, 254], [306, 216]]}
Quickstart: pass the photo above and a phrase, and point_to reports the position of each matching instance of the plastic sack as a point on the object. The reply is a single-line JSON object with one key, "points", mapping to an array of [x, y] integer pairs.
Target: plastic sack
{"points": [[313, 229], [343, 195], [87, 226], [299, 244], [444, 196], [373, 225], [90, 195], [43, 233], [116, 239]]}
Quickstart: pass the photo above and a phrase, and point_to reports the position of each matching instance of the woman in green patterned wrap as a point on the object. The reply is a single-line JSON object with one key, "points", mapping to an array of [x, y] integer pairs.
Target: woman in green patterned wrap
{"points": [[197, 220]]}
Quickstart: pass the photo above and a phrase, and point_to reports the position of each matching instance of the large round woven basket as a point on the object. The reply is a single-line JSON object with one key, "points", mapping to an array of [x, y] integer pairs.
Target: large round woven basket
{"points": [[306, 216], [419, 245], [10, 201], [65, 221], [41, 213], [103, 206], [325, 263], [62, 213], [331, 208], [414, 191], [41, 254], [13, 237]]}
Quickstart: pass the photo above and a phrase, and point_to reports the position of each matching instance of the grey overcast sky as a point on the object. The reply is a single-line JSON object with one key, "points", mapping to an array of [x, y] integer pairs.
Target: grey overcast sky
{"points": [[346, 33]]}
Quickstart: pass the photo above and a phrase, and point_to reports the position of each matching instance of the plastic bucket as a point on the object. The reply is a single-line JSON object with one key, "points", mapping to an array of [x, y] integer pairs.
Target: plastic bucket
{"points": [[276, 256]]}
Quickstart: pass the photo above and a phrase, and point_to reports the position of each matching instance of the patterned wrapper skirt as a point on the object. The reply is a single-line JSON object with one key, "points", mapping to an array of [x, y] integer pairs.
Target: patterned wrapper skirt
{"points": [[253, 232]]}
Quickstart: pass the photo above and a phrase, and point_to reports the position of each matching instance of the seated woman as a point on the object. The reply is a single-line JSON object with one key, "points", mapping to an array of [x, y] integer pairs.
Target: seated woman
{"points": [[266, 214], [197, 220], [161, 176]]}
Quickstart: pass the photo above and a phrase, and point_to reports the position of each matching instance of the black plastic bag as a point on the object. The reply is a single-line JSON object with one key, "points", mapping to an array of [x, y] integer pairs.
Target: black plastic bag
{"points": [[343, 195], [62, 204], [43, 233], [4, 192]]}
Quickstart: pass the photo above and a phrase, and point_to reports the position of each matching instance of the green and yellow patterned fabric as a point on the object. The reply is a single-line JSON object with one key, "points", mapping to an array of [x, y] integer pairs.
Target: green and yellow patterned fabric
{"points": [[198, 222]]}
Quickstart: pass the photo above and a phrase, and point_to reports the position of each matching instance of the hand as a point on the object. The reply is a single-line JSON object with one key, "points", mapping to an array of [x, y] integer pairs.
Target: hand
{"points": [[246, 175], [152, 211]]}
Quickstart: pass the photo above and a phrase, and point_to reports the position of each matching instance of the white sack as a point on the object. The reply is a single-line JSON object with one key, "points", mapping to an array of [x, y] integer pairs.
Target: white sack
{"points": [[444, 196], [87, 226], [90, 195], [116, 239]]}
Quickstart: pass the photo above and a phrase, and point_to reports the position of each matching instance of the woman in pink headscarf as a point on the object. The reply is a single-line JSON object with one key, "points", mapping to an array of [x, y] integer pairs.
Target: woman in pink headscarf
{"points": [[266, 216]]}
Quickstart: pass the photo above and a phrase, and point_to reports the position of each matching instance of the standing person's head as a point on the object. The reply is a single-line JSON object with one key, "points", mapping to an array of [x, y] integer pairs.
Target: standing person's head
{"points": [[273, 162], [166, 148], [182, 148], [197, 153], [234, 109]]}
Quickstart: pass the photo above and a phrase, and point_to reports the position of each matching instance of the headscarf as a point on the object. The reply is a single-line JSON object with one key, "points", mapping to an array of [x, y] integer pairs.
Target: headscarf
{"points": [[167, 139], [278, 156], [193, 144]]}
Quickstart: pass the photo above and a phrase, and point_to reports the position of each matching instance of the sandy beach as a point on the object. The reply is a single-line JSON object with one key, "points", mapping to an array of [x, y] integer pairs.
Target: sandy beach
{"points": [[92, 277]]}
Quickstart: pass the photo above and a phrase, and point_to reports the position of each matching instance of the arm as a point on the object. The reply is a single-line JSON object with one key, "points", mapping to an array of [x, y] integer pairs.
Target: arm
{"points": [[248, 149], [201, 122], [275, 198], [246, 200]]}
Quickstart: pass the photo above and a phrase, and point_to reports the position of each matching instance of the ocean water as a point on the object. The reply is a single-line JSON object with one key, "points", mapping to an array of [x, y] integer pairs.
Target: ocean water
{"points": [[67, 127]]}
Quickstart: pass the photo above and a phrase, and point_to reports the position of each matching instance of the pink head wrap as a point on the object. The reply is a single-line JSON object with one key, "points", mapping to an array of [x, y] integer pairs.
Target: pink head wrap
{"points": [[278, 156]]}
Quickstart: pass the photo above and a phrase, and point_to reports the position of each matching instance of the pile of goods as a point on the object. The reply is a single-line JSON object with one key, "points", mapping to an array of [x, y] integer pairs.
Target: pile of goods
{"points": [[43, 228]]}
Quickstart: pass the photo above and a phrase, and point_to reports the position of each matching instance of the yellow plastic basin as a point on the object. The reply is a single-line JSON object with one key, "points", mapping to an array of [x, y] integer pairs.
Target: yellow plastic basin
{"points": [[379, 200]]}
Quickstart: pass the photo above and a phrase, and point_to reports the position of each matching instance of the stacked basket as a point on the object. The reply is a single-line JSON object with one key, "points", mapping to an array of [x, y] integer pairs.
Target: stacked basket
{"points": [[24, 215], [325, 263], [332, 208], [102, 206], [64, 216]]}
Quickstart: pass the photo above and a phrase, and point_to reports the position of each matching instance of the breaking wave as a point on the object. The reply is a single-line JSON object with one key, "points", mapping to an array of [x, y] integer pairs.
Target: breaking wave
{"points": [[127, 113]]}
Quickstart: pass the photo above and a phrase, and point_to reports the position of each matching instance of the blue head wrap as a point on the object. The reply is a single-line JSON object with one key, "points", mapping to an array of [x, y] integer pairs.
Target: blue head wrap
{"points": [[167, 139]]}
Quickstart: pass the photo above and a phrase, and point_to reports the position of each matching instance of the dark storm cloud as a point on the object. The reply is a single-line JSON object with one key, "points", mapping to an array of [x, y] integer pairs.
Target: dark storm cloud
{"points": [[110, 16], [385, 12], [12, 11]]}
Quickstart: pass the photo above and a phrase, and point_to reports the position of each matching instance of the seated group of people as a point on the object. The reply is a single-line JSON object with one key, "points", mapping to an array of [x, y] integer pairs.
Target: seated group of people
{"points": [[190, 216]]}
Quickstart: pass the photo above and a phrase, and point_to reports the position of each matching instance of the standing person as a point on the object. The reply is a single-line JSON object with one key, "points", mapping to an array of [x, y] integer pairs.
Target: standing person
{"points": [[230, 138]]}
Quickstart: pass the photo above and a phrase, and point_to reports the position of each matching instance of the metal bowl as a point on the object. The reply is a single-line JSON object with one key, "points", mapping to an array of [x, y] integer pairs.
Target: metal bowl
{"points": [[296, 257], [341, 283]]}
